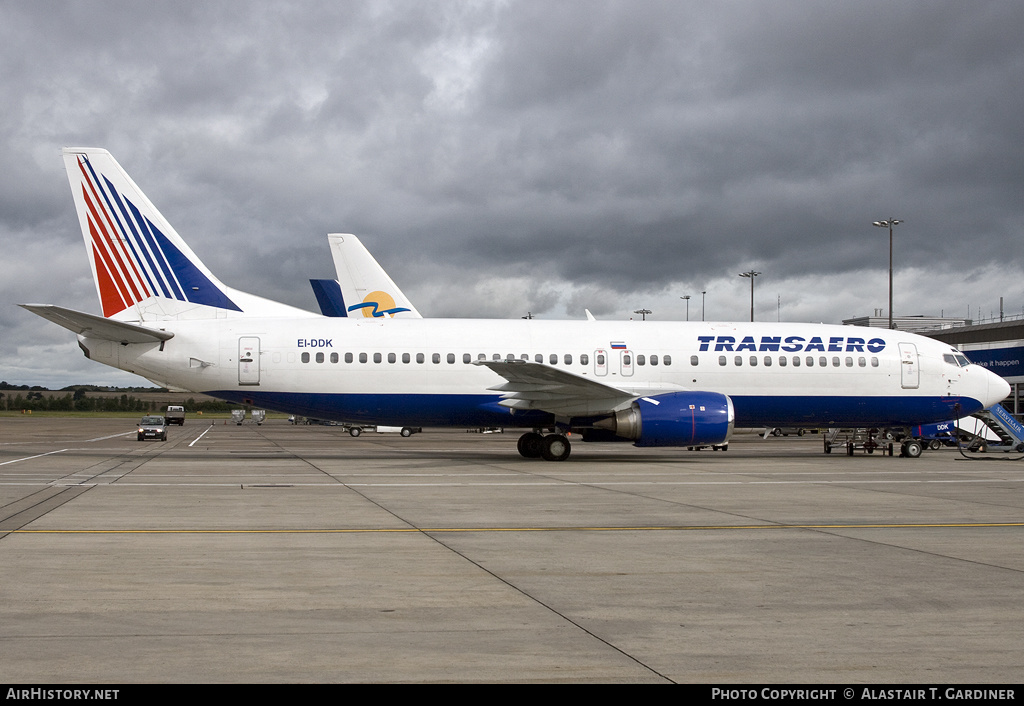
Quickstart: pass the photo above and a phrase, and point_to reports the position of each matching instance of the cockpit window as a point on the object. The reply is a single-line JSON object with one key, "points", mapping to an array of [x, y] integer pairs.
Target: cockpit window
{"points": [[957, 359]]}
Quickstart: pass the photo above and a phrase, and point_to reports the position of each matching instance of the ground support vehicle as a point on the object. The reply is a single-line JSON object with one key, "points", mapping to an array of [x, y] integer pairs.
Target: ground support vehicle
{"points": [[866, 440], [175, 414], [357, 429]]}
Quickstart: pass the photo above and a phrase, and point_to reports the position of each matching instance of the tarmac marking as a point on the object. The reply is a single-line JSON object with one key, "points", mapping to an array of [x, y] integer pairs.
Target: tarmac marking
{"points": [[200, 436], [28, 458], [338, 483], [431, 530]]}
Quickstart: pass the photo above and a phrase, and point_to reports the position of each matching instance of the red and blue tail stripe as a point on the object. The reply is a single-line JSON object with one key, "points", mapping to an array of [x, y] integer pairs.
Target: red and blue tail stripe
{"points": [[133, 258]]}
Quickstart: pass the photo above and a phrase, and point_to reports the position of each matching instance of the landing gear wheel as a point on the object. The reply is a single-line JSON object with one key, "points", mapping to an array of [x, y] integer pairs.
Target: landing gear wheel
{"points": [[530, 444], [355, 431], [935, 445], [555, 448], [406, 432]]}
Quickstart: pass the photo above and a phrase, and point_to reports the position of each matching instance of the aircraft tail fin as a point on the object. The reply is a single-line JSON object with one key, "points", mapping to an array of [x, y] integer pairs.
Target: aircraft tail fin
{"points": [[142, 268], [329, 297], [365, 287]]}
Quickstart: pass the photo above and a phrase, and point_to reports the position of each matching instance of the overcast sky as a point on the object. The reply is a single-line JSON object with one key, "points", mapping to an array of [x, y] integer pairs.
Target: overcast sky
{"points": [[505, 157]]}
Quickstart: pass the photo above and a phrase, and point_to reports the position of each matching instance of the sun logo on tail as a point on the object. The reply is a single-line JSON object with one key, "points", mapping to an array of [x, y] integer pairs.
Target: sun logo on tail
{"points": [[378, 304]]}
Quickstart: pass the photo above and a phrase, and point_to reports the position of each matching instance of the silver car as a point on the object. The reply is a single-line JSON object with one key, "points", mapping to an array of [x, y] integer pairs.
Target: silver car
{"points": [[153, 427]]}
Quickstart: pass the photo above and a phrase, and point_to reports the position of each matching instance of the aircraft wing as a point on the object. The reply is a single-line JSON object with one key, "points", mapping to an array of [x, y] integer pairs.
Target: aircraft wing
{"points": [[97, 326], [537, 386]]}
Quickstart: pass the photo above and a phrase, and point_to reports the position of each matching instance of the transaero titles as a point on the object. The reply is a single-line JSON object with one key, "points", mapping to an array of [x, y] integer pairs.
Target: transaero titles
{"points": [[792, 344]]}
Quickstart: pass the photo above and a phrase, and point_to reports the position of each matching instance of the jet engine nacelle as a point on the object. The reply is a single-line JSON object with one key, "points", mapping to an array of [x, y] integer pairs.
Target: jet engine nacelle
{"points": [[675, 419]]}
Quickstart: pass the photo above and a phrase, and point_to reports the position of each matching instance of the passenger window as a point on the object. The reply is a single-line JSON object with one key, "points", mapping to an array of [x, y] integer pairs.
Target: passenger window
{"points": [[553, 359], [721, 360], [334, 357], [304, 357], [767, 361], [753, 360], [823, 361], [849, 362], [392, 358], [319, 357], [584, 359], [835, 361], [738, 360], [796, 361], [362, 357], [348, 357], [467, 358], [641, 359], [694, 360], [406, 358], [782, 361], [377, 358], [654, 360], [627, 360], [568, 358], [451, 358], [600, 359], [539, 358], [862, 362], [667, 360], [419, 358], [810, 361], [435, 358], [874, 362], [496, 356]]}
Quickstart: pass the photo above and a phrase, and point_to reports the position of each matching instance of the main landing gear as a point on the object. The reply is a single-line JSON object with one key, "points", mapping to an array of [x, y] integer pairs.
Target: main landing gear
{"points": [[552, 447]]}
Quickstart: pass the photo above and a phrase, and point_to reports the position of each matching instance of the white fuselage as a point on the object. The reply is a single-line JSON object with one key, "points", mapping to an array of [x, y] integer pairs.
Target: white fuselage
{"points": [[420, 371]]}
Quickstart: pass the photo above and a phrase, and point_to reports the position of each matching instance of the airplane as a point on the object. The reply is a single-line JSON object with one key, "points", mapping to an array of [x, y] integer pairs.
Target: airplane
{"points": [[361, 280], [166, 317]]}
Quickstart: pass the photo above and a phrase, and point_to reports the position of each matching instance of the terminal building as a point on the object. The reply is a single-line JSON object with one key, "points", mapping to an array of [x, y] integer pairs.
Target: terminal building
{"points": [[998, 346]]}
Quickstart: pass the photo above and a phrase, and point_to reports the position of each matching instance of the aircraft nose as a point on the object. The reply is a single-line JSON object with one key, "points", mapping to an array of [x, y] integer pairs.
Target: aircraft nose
{"points": [[998, 389]]}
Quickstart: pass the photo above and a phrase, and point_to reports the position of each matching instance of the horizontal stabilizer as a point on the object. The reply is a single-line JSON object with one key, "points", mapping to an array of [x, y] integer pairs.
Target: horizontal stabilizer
{"points": [[96, 326]]}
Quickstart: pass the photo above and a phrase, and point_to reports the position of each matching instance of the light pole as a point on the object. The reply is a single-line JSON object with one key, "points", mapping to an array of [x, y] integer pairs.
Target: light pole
{"points": [[687, 298], [702, 304], [889, 224], [643, 312], [751, 274]]}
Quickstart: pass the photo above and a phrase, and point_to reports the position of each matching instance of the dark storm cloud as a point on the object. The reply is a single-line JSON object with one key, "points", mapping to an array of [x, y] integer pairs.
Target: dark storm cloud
{"points": [[499, 157]]}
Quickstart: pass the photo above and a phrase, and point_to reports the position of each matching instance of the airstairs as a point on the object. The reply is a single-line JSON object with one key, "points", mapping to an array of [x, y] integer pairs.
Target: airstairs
{"points": [[1009, 431]]}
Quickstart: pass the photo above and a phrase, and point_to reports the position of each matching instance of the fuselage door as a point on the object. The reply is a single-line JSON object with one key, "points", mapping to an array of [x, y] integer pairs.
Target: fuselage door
{"points": [[910, 371], [600, 363], [248, 360]]}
